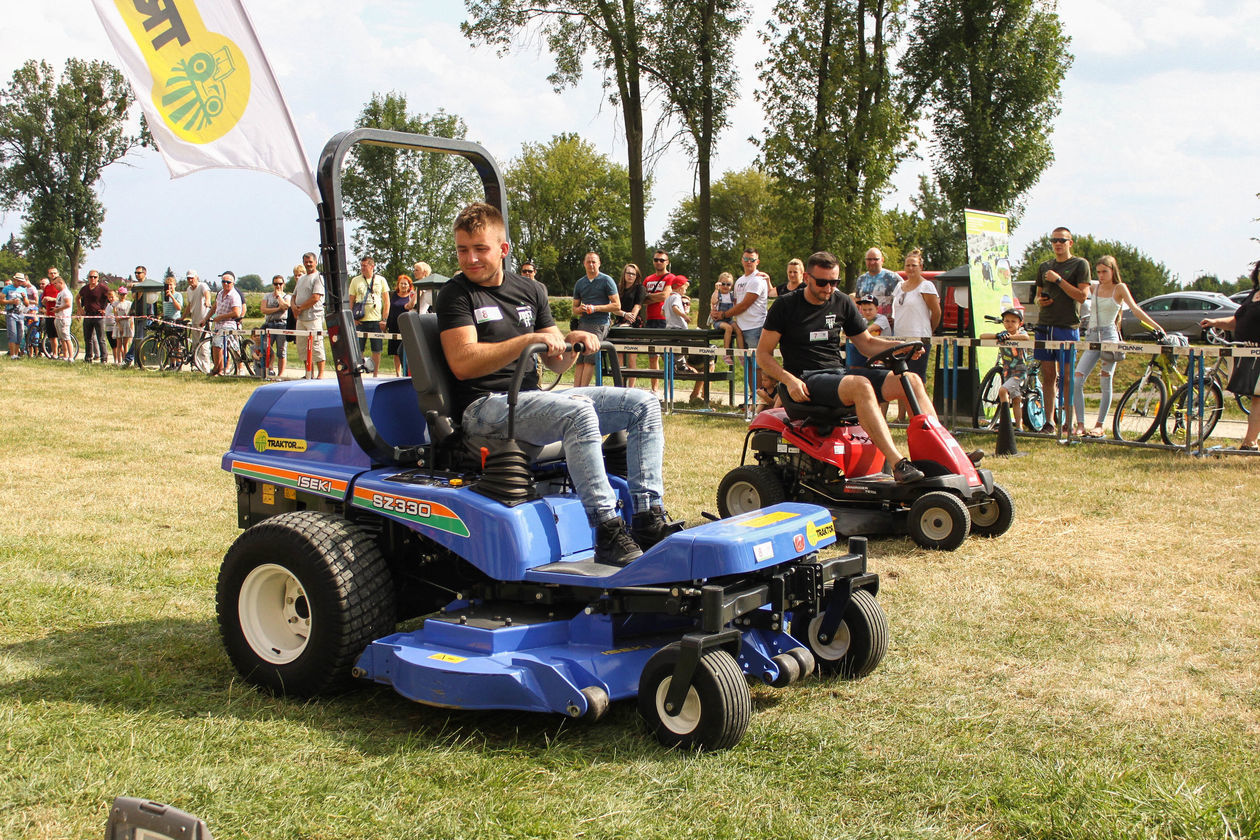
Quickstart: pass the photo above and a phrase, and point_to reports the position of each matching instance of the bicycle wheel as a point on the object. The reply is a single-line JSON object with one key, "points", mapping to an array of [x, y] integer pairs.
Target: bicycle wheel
{"points": [[149, 354], [248, 356], [1034, 404], [201, 356], [1140, 409], [48, 346], [1183, 408], [984, 414], [171, 353]]}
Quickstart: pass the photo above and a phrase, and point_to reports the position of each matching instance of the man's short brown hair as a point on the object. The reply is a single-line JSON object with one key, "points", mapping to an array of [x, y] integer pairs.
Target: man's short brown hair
{"points": [[821, 259], [479, 216]]}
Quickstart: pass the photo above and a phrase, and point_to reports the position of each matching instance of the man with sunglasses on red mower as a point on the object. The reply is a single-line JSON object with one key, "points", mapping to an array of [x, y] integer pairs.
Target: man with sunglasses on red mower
{"points": [[809, 327]]}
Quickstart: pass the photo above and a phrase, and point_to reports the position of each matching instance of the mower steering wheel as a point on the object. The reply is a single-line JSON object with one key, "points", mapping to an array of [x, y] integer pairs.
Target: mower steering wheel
{"points": [[902, 351]]}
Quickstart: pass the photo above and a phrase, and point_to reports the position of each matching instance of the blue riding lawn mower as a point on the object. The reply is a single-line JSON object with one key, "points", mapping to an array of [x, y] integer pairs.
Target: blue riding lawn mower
{"points": [[365, 507]]}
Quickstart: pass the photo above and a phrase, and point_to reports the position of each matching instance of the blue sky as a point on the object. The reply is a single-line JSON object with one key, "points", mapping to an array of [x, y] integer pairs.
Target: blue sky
{"points": [[1158, 144]]}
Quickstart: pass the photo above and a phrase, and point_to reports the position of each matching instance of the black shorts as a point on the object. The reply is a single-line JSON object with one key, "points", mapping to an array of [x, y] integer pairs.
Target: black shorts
{"points": [[823, 384]]}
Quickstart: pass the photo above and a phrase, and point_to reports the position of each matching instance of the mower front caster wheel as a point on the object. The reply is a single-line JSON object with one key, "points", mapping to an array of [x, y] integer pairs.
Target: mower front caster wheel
{"points": [[716, 711], [857, 646], [939, 520], [994, 517], [748, 488]]}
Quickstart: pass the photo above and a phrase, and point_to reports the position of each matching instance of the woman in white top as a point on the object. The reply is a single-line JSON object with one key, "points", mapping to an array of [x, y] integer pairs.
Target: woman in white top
{"points": [[916, 311], [423, 297], [1105, 303]]}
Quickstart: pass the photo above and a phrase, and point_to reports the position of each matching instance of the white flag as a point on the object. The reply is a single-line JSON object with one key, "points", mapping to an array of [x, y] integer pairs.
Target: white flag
{"points": [[206, 88]]}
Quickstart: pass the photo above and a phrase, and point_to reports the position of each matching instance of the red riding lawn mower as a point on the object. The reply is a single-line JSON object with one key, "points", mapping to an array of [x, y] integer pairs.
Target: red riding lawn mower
{"points": [[819, 454]]}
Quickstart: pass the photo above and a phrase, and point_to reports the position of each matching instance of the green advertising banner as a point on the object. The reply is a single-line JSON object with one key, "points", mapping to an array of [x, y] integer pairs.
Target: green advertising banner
{"points": [[988, 256]]}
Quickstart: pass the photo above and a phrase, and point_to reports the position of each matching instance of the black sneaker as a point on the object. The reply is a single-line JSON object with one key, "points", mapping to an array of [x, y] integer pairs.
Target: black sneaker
{"points": [[975, 455], [905, 472], [653, 525], [613, 545]]}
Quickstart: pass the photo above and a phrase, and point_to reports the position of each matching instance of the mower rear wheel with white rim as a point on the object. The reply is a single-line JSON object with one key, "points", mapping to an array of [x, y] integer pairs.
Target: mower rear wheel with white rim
{"points": [[300, 596]]}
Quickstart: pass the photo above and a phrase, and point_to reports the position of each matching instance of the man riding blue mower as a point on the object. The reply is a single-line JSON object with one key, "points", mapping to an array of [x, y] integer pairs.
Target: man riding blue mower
{"points": [[535, 549]]}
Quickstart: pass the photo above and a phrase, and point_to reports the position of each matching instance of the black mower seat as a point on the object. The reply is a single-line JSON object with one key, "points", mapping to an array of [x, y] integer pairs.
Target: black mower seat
{"points": [[432, 380], [816, 415]]}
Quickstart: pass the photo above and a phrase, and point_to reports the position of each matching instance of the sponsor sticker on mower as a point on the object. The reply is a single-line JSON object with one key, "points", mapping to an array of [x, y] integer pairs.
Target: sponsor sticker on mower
{"points": [[763, 551], [768, 519], [816, 534], [429, 514], [448, 657], [264, 442]]}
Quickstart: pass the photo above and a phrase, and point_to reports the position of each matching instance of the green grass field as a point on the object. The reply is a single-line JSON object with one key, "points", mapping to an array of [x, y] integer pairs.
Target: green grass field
{"points": [[1092, 674]]}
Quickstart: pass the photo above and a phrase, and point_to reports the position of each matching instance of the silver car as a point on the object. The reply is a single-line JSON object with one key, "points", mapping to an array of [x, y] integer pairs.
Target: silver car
{"points": [[1179, 312]]}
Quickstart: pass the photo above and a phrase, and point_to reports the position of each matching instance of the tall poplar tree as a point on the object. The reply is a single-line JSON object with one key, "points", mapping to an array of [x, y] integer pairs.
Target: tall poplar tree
{"points": [[692, 64], [612, 31], [989, 72], [837, 120]]}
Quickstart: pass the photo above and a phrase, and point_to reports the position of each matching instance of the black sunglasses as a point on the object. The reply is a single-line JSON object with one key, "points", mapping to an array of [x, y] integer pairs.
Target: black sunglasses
{"points": [[1059, 240], [827, 282]]}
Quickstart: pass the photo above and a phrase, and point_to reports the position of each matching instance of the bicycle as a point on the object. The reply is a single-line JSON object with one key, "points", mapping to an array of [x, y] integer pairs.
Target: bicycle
{"points": [[1186, 399], [1157, 400], [165, 346], [241, 355], [46, 341], [985, 413]]}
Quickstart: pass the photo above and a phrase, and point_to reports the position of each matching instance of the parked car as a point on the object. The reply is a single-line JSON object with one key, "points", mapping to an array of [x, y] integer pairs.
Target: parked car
{"points": [[1179, 312], [1239, 297]]}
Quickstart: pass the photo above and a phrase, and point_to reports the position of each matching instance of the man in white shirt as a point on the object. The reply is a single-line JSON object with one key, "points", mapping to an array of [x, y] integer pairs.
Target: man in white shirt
{"points": [[749, 311], [229, 308], [308, 310]]}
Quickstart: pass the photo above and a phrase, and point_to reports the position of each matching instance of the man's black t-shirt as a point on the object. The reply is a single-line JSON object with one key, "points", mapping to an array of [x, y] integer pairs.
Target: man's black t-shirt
{"points": [[1062, 311], [810, 337], [517, 307]]}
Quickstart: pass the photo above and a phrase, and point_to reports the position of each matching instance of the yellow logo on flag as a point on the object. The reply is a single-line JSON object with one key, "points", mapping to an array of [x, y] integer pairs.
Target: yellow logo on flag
{"points": [[201, 81]]}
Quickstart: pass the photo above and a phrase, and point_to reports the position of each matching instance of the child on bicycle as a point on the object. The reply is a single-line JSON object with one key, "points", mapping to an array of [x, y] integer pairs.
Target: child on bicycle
{"points": [[1014, 362]]}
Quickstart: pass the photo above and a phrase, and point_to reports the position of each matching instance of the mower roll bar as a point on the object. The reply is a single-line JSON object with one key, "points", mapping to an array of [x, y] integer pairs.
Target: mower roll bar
{"points": [[347, 357]]}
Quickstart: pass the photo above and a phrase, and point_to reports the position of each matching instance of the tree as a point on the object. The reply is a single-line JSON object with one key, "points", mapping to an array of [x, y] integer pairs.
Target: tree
{"points": [[404, 202], [249, 283], [12, 259], [568, 199], [1144, 276], [692, 64], [932, 226], [838, 123], [743, 216], [989, 72], [56, 137], [572, 29]]}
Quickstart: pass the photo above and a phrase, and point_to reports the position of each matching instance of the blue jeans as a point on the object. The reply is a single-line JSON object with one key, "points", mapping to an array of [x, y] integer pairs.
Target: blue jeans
{"points": [[580, 417], [15, 323], [1086, 364]]}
